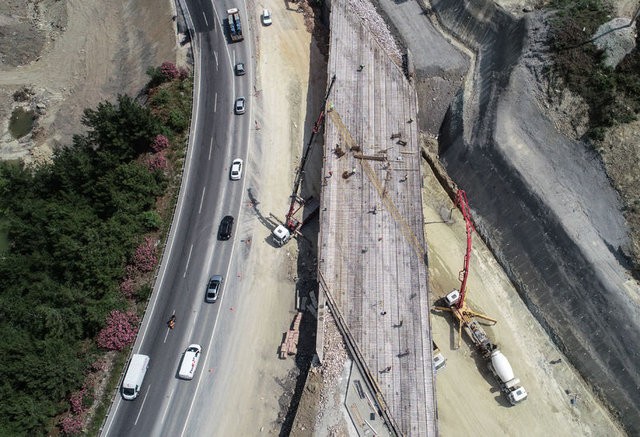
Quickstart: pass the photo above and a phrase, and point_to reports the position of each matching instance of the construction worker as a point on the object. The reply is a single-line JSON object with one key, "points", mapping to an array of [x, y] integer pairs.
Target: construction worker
{"points": [[386, 370], [172, 322]]}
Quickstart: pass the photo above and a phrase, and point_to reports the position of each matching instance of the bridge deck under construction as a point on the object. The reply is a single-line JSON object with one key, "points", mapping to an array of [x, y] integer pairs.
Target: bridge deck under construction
{"points": [[371, 245]]}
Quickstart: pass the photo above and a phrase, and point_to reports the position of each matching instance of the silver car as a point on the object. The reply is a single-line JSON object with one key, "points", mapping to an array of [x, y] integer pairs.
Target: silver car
{"points": [[213, 288], [240, 105]]}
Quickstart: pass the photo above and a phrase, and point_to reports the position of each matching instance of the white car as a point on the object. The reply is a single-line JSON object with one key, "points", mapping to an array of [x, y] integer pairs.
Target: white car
{"points": [[236, 169], [266, 17], [190, 361]]}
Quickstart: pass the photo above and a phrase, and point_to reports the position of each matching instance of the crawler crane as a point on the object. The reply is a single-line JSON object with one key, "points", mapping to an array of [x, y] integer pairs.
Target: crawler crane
{"points": [[456, 304]]}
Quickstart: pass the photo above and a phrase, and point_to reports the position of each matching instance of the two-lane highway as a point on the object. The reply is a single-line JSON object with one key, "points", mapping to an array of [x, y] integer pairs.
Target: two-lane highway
{"points": [[193, 254]]}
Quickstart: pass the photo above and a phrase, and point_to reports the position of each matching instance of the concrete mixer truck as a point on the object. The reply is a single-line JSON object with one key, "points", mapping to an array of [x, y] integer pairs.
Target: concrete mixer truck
{"points": [[455, 303], [509, 384]]}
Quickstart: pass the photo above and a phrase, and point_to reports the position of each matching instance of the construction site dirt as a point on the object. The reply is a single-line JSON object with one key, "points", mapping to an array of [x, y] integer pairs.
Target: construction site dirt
{"points": [[566, 403]]}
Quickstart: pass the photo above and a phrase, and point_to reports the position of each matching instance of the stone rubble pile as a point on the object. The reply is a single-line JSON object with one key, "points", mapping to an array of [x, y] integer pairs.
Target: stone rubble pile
{"points": [[335, 355], [378, 28]]}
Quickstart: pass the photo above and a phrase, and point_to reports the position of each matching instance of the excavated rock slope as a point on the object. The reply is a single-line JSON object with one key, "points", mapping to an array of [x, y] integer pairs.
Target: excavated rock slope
{"points": [[544, 203]]}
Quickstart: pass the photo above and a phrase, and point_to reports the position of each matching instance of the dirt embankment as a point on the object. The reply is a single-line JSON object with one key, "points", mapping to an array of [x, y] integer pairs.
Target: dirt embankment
{"points": [[543, 201], [58, 57]]}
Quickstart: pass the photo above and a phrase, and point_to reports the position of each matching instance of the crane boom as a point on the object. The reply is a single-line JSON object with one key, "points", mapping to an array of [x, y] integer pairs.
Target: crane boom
{"points": [[463, 204], [290, 222]]}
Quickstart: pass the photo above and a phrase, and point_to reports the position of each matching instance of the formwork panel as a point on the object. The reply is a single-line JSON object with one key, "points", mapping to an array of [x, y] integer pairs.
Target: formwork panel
{"points": [[371, 246]]}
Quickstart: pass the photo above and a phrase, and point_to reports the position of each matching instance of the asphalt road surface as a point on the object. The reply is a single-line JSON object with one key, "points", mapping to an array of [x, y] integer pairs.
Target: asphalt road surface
{"points": [[165, 405]]}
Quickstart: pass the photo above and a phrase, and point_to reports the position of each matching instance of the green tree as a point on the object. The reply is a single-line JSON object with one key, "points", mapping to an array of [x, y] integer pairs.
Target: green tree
{"points": [[72, 227], [125, 130]]}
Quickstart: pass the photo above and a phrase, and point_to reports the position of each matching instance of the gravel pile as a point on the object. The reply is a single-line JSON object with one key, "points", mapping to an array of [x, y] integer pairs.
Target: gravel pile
{"points": [[335, 355], [377, 26]]}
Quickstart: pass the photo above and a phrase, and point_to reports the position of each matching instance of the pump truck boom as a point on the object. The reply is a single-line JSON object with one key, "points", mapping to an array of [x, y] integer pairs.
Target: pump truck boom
{"points": [[455, 302], [283, 233]]}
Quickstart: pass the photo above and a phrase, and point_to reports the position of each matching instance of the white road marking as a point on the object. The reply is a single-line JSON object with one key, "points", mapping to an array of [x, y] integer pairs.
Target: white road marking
{"points": [[215, 54], [188, 259], [202, 199], [205, 19], [210, 148], [215, 102], [164, 415], [142, 406]]}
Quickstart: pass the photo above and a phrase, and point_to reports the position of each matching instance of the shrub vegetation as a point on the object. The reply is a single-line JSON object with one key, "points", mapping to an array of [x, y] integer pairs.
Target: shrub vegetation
{"points": [[612, 93], [79, 244]]}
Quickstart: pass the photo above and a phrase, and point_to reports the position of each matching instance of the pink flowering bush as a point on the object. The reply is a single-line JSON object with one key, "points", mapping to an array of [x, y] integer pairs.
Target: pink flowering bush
{"points": [[77, 401], [127, 287], [120, 331], [160, 143], [169, 70], [157, 161], [184, 73], [100, 365], [72, 424], [145, 259], [91, 380]]}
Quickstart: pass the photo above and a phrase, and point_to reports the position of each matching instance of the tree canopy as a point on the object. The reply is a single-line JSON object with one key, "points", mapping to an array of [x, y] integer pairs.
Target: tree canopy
{"points": [[72, 227]]}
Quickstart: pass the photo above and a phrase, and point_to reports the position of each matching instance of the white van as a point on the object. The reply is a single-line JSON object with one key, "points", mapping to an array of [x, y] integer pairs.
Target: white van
{"points": [[132, 382], [190, 361]]}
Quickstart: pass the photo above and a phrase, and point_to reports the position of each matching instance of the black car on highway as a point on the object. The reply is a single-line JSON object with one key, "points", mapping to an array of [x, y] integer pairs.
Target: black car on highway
{"points": [[226, 226]]}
